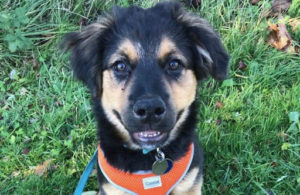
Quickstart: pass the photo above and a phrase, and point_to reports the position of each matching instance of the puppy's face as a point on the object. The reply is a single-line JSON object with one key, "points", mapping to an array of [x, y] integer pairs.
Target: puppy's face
{"points": [[143, 66], [147, 86]]}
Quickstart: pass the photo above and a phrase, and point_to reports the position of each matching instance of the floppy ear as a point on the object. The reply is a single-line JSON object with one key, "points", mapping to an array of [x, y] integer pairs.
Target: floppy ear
{"points": [[86, 48], [210, 55]]}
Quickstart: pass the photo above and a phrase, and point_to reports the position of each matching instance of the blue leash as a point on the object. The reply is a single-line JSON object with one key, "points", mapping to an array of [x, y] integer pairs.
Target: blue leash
{"points": [[86, 173], [88, 169]]}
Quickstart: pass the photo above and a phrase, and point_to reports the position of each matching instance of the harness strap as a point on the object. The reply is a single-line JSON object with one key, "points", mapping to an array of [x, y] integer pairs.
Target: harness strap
{"points": [[86, 173], [172, 178], [146, 183]]}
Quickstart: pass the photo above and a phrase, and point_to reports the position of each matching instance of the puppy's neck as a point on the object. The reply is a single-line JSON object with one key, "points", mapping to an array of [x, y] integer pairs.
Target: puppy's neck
{"points": [[134, 160]]}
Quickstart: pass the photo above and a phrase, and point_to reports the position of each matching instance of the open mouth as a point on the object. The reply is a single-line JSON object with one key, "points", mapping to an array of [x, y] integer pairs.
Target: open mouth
{"points": [[149, 137]]}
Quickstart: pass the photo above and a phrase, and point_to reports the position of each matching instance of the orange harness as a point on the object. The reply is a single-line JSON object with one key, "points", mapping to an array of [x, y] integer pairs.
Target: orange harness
{"points": [[146, 183]]}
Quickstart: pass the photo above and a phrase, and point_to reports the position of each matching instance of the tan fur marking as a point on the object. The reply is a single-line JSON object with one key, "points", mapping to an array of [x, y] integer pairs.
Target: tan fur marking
{"points": [[113, 95], [184, 90], [128, 48], [113, 98], [110, 189], [166, 46], [183, 93], [187, 185]]}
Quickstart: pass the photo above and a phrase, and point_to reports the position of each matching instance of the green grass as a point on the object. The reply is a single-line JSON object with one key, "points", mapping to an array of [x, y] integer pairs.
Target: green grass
{"points": [[44, 110]]}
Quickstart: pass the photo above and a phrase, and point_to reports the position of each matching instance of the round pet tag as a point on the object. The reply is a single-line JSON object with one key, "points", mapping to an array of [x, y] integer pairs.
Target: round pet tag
{"points": [[161, 167]]}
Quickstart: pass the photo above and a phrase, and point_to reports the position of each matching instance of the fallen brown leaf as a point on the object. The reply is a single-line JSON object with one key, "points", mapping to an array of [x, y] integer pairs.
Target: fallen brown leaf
{"points": [[294, 23], [219, 121], [242, 66], [26, 150], [42, 169], [280, 38], [83, 21], [283, 135], [219, 104], [35, 62], [279, 6], [254, 2], [273, 164]]}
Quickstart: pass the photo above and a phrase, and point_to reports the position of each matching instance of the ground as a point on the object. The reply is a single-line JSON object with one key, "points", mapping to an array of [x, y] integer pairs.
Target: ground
{"points": [[48, 134]]}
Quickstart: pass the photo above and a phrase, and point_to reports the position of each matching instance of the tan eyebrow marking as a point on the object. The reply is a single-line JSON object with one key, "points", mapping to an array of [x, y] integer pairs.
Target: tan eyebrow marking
{"points": [[166, 48], [126, 48]]}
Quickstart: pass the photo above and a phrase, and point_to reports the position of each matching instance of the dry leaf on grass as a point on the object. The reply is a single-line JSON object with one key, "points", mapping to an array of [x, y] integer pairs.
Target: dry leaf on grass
{"points": [[254, 2], [294, 23], [26, 151], [83, 21], [42, 169], [283, 135], [35, 62], [279, 6], [242, 65], [280, 38], [273, 164], [219, 121], [219, 104]]}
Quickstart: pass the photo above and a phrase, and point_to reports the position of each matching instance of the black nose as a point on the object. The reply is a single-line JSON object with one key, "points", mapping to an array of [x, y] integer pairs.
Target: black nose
{"points": [[149, 109]]}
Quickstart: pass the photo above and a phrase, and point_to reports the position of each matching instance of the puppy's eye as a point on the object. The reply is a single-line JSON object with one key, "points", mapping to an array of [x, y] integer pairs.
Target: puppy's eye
{"points": [[121, 70], [174, 65], [174, 68], [120, 66]]}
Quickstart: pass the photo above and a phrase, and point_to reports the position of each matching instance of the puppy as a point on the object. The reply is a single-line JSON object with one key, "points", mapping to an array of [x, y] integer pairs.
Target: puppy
{"points": [[142, 67]]}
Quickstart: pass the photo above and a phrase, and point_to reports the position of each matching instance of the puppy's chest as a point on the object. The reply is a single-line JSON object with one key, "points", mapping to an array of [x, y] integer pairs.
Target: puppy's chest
{"points": [[145, 182]]}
